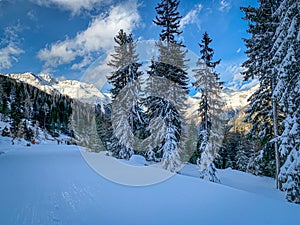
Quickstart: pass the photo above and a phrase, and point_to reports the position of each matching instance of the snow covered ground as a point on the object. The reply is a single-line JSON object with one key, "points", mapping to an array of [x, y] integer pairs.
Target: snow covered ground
{"points": [[52, 184]]}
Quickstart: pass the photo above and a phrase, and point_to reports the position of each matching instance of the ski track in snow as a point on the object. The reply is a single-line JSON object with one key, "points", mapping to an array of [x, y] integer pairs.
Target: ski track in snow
{"points": [[51, 184]]}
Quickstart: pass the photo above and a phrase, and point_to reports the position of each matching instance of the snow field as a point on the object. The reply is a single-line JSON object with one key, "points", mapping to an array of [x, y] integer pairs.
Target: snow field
{"points": [[53, 184]]}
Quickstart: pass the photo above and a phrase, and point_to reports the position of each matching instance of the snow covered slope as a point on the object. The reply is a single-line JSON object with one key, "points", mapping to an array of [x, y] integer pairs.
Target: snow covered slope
{"points": [[80, 90], [52, 184], [84, 92], [43, 82]]}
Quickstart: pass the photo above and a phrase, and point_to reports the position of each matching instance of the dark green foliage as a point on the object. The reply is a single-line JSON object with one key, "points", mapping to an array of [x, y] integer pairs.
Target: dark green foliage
{"points": [[124, 62], [227, 153], [206, 52], [169, 19], [125, 74], [104, 128], [264, 112], [22, 102], [171, 66], [28, 133]]}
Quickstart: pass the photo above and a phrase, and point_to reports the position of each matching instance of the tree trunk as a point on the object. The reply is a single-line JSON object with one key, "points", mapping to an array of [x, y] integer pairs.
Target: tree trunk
{"points": [[275, 127]]}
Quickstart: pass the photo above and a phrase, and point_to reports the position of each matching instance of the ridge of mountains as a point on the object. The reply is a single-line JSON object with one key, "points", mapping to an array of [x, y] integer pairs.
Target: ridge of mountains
{"points": [[88, 93], [235, 100]]}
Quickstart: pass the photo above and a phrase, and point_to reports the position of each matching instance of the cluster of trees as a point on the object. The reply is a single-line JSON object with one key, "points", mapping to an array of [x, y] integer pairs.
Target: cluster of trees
{"points": [[272, 146], [273, 57], [150, 120], [28, 108]]}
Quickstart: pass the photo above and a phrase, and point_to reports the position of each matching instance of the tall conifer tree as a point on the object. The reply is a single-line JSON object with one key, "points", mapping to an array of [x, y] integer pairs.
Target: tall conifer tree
{"points": [[286, 60], [210, 108], [170, 65], [126, 74], [264, 111]]}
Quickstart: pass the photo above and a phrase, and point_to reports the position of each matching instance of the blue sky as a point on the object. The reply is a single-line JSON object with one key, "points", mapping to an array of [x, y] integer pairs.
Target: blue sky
{"points": [[73, 39]]}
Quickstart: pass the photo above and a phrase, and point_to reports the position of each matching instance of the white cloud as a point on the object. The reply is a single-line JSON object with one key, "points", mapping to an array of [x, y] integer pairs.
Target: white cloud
{"points": [[10, 47], [75, 6], [97, 37], [96, 74], [192, 17], [32, 15], [224, 6], [8, 55], [235, 70], [238, 50], [237, 77], [99, 70]]}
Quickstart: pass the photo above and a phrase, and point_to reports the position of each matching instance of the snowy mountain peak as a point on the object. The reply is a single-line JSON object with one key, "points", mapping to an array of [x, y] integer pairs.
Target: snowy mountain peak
{"points": [[48, 78], [81, 91], [237, 99], [35, 80]]}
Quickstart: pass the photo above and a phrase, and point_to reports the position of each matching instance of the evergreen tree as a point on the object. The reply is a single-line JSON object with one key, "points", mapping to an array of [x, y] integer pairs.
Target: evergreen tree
{"points": [[210, 108], [226, 156], [25, 105], [170, 66], [104, 128], [28, 133], [127, 114], [5, 93], [85, 126], [285, 56], [16, 110], [264, 111]]}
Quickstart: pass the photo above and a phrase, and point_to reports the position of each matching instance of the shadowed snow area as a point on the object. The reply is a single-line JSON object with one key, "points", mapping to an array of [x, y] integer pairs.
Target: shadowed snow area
{"points": [[243, 181], [53, 184]]}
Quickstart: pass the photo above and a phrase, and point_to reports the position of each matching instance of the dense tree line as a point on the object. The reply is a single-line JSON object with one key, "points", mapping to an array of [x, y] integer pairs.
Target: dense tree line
{"points": [[25, 107], [271, 146]]}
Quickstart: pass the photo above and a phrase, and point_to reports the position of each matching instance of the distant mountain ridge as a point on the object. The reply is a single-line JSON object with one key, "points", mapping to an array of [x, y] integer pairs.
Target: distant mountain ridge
{"points": [[235, 99], [87, 93]]}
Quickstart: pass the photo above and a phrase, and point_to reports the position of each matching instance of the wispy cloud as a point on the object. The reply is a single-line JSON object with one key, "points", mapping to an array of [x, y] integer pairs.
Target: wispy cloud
{"points": [[97, 37], [10, 50], [224, 6], [231, 74], [32, 15], [192, 17], [99, 70], [236, 78], [8, 55], [75, 6], [238, 50]]}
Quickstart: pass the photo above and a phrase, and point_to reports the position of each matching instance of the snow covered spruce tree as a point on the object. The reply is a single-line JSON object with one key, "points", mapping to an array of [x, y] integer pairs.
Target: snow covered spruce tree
{"points": [[211, 126], [264, 112], [285, 55], [170, 85], [126, 116]]}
